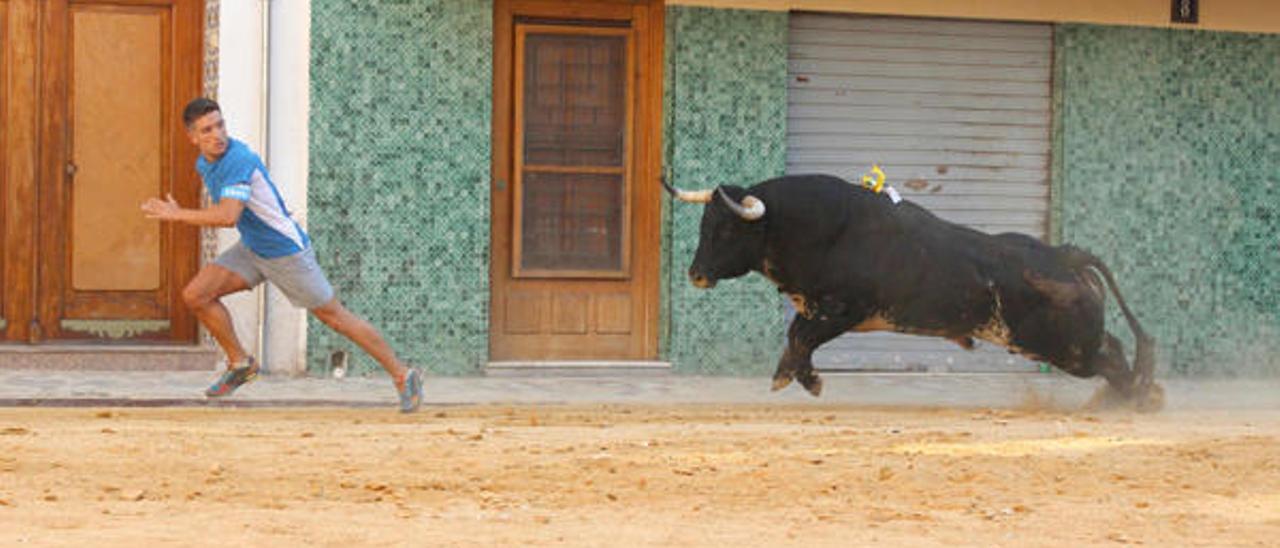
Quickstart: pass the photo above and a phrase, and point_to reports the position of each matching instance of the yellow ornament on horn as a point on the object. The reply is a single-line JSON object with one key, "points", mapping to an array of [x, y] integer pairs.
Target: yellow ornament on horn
{"points": [[875, 180]]}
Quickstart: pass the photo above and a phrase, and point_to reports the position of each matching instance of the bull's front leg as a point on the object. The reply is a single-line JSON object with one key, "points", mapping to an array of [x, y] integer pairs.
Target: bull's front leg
{"points": [[806, 335]]}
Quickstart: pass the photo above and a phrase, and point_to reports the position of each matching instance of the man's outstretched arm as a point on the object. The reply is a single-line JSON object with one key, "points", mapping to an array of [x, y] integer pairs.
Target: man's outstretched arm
{"points": [[225, 213]]}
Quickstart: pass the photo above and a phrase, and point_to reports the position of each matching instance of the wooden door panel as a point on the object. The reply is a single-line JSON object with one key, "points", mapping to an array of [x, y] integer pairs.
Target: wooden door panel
{"points": [[569, 313], [523, 312], [567, 323], [613, 313], [117, 145], [577, 130]]}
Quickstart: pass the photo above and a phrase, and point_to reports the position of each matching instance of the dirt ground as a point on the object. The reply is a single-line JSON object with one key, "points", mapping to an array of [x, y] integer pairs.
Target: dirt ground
{"points": [[637, 476]]}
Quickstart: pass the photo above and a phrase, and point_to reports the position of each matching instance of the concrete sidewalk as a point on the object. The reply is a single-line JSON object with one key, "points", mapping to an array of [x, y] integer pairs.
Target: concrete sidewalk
{"points": [[182, 388]]}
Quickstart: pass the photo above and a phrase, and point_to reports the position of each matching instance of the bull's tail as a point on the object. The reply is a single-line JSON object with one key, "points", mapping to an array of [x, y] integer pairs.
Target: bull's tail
{"points": [[1144, 354]]}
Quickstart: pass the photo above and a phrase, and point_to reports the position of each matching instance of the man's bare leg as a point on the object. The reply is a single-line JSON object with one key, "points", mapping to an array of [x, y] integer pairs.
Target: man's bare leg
{"points": [[203, 296], [361, 332]]}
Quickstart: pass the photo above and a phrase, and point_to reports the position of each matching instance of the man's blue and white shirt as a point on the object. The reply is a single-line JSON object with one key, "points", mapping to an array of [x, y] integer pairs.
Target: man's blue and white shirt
{"points": [[265, 225]]}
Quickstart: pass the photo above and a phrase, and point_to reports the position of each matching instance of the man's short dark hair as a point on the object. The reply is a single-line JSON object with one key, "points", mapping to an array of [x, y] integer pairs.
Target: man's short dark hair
{"points": [[197, 108]]}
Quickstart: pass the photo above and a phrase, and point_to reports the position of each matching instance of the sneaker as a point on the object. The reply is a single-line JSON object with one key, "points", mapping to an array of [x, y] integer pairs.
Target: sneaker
{"points": [[232, 379], [411, 392]]}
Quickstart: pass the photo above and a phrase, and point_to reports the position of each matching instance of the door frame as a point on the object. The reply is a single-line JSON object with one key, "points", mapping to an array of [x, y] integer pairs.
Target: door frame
{"points": [[20, 167], [645, 245]]}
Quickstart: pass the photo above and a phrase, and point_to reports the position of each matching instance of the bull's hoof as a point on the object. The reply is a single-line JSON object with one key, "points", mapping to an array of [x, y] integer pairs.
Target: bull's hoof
{"points": [[1150, 400], [1106, 398], [780, 382], [813, 384]]}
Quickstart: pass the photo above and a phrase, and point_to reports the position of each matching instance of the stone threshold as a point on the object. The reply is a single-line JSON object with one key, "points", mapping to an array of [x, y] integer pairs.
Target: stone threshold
{"points": [[577, 368], [108, 357], [200, 402]]}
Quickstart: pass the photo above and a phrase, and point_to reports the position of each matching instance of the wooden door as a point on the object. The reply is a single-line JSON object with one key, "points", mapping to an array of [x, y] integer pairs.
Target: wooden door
{"points": [[116, 75], [577, 126]]}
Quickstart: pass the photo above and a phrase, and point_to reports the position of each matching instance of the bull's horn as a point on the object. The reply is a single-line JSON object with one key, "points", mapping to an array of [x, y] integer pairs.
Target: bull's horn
{"points": [[750, 209], [694, 197]]}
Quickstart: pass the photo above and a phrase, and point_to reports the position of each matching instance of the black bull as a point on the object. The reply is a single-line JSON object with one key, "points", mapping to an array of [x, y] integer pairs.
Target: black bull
{"points": [[852, 260]]}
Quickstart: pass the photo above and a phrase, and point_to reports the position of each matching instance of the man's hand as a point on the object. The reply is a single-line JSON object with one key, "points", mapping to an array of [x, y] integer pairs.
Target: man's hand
{"points": [[224, 213], [164, 210]]}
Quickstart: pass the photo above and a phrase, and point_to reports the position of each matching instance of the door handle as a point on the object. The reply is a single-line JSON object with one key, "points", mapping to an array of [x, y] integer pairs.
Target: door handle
{"points": [[72, 169], [499, 184]]}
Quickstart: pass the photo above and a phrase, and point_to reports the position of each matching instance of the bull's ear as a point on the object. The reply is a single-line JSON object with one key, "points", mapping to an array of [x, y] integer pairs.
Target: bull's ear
{"points": [[750, 209]]}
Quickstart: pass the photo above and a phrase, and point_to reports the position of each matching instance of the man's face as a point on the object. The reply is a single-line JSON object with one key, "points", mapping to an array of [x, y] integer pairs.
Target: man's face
{"points": [[209, 134]]}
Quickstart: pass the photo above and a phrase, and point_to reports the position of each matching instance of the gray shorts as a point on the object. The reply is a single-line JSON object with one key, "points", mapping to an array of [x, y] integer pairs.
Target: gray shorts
{"points": [[298, 276]]}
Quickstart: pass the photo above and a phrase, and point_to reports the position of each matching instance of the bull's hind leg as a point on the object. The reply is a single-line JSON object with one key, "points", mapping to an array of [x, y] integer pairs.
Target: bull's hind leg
{"points": [[1149, 395], [1125, 386], [1111, 364], [805, 336]]}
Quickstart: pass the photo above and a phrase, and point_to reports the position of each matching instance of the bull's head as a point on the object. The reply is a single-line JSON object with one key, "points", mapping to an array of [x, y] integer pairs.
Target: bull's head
{"points": [[731, 240]]}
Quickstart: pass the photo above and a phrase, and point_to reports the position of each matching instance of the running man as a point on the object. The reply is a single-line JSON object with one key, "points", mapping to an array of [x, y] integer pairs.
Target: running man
{"points": [[272, 247]]}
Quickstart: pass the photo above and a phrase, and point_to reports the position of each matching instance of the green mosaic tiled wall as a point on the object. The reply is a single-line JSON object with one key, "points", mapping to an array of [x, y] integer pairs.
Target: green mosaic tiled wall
{"points": [[1169, 169], [398, 195], [726, 124]]}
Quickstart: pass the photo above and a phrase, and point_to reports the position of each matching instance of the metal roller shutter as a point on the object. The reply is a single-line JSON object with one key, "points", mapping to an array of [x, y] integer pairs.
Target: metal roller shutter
{"points": [[958, 115]]}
